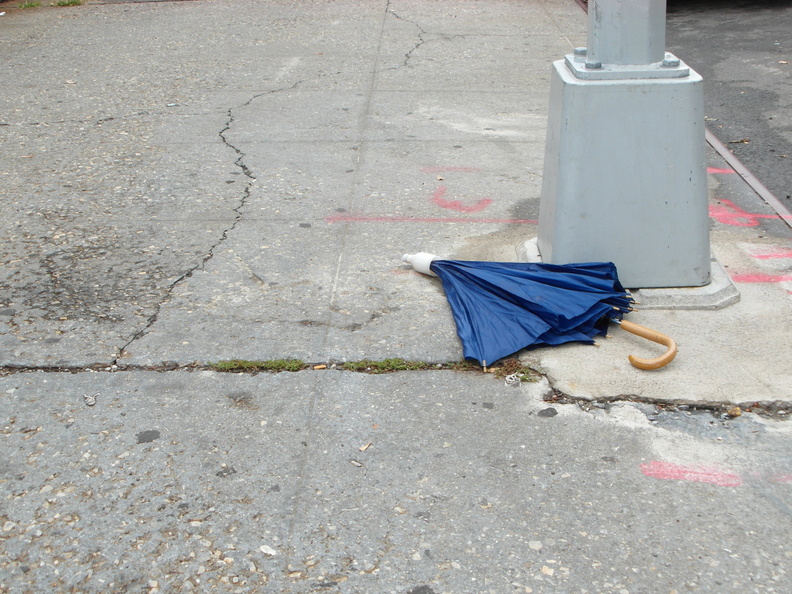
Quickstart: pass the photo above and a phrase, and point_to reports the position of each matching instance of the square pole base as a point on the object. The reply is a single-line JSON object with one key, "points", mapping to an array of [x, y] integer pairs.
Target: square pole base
{"points": [[625, 178]]}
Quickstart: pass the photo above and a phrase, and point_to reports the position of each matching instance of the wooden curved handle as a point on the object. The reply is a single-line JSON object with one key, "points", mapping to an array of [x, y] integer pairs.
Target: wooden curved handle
{"points": [[654, 336]]}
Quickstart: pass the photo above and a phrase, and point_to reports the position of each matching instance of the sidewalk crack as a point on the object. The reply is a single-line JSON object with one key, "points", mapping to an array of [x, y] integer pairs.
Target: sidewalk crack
{"points": [[240, 163], [421, 32], [422, 38]]}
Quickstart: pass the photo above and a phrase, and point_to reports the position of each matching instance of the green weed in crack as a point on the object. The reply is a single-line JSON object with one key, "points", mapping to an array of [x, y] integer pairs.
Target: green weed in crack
{"points": [[386, 366], [272, 366], [363, 366]]}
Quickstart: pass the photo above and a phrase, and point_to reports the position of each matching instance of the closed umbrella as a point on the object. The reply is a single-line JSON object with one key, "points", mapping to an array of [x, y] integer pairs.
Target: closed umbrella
{"points": [[503, 307]]}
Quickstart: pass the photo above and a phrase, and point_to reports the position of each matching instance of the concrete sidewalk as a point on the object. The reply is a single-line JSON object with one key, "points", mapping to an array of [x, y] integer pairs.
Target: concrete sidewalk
{"points": [[191, 182], [250, 192]]}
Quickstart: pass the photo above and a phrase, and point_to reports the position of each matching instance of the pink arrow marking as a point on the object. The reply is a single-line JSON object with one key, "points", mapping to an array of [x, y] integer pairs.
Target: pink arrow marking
{"points": [[456, 205]]}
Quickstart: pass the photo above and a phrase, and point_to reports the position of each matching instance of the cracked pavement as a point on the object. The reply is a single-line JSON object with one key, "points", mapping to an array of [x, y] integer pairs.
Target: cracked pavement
{"points": [[250, 198], [188, 182]]}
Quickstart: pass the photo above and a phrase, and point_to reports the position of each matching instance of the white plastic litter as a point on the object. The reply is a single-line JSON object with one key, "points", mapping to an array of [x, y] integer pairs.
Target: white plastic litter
{"points": [[513, 379]]}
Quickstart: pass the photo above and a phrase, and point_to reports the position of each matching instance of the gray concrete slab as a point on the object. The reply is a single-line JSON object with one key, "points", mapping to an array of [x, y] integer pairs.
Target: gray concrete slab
{"points": [[346, 482], [190, 182], [265, 213]]}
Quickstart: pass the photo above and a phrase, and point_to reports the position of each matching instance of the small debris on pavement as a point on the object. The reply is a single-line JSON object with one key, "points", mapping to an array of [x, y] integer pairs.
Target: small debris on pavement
{"points": [[355, 463], [226, 471], [90, 400], [364, 447], [513, 379]]}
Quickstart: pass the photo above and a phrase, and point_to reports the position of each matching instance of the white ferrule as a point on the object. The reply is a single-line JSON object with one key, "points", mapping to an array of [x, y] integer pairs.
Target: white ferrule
{"points": [[420, 261]]}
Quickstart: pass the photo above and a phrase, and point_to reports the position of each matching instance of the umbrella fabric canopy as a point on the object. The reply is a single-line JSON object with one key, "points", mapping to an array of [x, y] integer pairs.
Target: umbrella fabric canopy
{"points": [[502, 307]]}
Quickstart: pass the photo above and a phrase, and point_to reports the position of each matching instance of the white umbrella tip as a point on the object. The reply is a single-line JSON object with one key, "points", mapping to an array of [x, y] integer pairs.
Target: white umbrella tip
{"points": [[420, 261]]}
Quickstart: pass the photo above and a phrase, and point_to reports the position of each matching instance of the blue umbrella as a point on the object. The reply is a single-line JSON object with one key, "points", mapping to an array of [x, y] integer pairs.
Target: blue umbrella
{"points": [[503, 307]]}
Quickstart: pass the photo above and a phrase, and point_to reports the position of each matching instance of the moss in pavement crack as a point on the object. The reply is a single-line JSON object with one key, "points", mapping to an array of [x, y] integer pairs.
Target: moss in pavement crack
{"points": [[273, 365], [500, 370]]}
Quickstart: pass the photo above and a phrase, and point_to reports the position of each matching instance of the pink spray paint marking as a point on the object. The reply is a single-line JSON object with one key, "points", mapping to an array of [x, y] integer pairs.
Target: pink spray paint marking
{"points": [[447, 169], [729, 213], [765, 253], [719, 170], [772, 253], [696, 474], [758, 277], [439, 200], [353, 218]]}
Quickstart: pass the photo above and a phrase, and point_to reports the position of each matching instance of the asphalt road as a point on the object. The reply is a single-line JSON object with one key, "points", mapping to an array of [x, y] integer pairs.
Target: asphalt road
{"points": [[743, 50]]}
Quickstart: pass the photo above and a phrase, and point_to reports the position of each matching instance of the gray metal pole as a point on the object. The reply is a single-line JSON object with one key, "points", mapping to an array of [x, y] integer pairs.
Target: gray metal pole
{"points": [[626, 32]]}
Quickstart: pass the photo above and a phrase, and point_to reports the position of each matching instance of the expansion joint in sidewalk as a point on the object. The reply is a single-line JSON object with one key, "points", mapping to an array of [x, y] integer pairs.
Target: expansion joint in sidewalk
{"points": [[86, 120], [777, 409]]}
